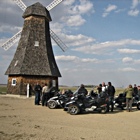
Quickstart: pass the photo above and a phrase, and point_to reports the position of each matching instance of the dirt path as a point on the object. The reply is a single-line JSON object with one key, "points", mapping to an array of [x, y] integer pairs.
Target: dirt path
{"points": [[20, 119]]}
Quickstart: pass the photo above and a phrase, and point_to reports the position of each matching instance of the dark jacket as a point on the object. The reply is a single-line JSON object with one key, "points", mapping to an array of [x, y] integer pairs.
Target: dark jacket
{"points": [[111, 90], [38, 88], [135, 90], [82, 90], [99, 88]]}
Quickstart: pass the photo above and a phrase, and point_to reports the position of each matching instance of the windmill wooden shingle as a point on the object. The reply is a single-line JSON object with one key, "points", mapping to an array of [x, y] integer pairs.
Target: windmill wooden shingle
{"points": [[34, 59]]}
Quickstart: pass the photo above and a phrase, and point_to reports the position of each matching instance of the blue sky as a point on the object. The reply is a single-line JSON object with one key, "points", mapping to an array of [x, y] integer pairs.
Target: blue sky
{"points": [[102, 36]]}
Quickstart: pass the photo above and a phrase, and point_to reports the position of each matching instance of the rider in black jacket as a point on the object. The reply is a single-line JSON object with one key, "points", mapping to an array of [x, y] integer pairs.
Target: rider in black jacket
{"points": [[82, 90], [38, 90], [111, 93]]}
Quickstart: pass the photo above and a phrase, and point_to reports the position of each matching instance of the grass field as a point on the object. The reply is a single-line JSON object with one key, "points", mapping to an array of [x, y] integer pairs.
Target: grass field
{"points": [[3, 89], [118, 90]]}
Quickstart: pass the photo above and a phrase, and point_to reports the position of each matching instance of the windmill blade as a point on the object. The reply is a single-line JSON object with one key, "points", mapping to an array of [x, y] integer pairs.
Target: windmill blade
{"points": [[11, 41], [58, 41], [15, 38], [53, 4], [20, 4]]}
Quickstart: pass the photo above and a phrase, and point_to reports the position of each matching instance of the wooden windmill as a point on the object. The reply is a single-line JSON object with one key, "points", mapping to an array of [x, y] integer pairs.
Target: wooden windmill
{"points": [[34, 60]]}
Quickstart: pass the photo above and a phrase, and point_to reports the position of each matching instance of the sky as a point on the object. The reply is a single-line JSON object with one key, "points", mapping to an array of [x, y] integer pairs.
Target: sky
{"points": [[102, 36]]}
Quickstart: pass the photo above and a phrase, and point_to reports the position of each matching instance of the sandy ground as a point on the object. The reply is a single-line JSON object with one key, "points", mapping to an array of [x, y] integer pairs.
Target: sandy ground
{"points": [[20, 119]]}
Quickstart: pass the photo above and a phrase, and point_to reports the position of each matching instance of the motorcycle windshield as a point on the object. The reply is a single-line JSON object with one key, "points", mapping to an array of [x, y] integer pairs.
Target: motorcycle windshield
{"points": [[76, 92]]}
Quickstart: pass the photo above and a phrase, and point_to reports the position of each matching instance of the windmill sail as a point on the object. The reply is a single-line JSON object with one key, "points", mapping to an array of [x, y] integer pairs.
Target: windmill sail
{"points": [[15, 38], [11, 41], [53, 4], [58, 41], [49, 7], [20, 4]]}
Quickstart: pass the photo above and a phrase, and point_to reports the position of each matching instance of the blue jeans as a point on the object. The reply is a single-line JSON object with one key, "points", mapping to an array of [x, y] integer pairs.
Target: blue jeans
{"points": [[110, 103], [37, 98]]}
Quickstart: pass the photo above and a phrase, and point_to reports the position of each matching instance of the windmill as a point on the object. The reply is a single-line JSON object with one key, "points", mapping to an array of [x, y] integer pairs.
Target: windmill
{"points": [[34, 60]]}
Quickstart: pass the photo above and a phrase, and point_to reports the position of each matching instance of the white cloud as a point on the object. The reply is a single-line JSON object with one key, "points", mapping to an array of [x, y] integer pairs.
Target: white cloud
{"points": [[3, 40], [57, 27], [135, 3], [74, 20], [134, 12], [73, 14], [119, 10], [68, 2], [109, 9], [75, 59], [7, 28], [129, 69], [71, 40], [103, 47], [130, 61], [128, 51], [104, 14], [137, 61], [127, 60], [83, 8], [66, 58], [78, 40], [87, 60]]}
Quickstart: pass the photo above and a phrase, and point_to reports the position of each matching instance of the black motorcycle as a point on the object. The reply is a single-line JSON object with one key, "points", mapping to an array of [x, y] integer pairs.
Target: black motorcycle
{"points": [[59, 100], [81, 103], [50, 93], [120, 101]]}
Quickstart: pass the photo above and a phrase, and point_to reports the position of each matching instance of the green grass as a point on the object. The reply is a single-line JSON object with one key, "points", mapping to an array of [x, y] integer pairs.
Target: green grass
{"points": [[3, 90], [118, 90]]}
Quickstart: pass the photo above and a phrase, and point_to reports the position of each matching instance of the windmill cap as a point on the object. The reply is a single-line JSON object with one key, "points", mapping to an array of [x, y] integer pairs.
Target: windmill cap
{"points": [[37, 9]]}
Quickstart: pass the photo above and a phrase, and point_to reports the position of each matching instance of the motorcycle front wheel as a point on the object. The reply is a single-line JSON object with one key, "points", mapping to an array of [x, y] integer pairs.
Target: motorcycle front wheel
{"points": [[73, 109], [138, 106], [52, 104]]}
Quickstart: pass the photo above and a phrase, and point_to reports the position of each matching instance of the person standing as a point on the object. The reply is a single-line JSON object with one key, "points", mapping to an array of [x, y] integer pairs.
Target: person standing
{"points": [[139, 90], [82, 90], [99, 88], [135, 90], [129, 97], [104, 87], [38, 90], [44, 94], [111, 93]]}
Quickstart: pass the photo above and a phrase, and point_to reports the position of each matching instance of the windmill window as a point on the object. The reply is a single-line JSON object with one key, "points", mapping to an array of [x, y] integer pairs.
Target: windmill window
{"points": [[13, 82], [36, 43]]}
